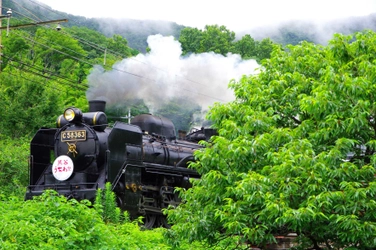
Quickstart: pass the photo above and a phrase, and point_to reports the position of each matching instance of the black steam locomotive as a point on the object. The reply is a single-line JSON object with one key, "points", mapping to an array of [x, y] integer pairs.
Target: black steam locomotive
{"points": [[143, 160]]}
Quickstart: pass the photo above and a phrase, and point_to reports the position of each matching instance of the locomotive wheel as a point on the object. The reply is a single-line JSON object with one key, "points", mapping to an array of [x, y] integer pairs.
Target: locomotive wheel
{"points": [[149, 220], [162, 221]]}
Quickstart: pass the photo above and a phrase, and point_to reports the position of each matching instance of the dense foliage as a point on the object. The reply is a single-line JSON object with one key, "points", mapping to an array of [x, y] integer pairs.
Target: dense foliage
{"points": [[295, 153], [13, 165], [53, 222], [220, 40]]}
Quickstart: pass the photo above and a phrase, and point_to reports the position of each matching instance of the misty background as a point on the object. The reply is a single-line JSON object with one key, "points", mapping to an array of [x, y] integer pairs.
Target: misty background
{"points": [[164, 73]]}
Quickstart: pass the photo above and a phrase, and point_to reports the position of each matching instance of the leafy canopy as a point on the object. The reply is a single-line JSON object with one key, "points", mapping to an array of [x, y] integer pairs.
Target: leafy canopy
{"points": [[220, 40], [295, 152]]}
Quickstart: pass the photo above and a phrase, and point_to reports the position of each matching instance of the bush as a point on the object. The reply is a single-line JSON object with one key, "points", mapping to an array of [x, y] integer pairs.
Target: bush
{"points": [[13, 165], [105, 204], [51, 221]]}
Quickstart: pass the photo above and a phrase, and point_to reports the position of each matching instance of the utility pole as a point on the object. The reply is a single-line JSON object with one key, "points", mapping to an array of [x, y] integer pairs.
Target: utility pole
{"points": [[33, 24], [8, 15], [1, 46]]}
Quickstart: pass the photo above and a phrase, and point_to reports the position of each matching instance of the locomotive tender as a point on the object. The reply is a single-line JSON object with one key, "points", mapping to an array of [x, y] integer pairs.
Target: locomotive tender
{"points": [[144, 161]]}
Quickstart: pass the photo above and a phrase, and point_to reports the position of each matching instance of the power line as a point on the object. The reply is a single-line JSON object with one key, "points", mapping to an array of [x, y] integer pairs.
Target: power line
{"points": [[43, 6], [28, 79], [102, 48], [61, 52], [25, 9], [116, 69], [93, 45], [42, 72], [34, 24], [112, 52]]}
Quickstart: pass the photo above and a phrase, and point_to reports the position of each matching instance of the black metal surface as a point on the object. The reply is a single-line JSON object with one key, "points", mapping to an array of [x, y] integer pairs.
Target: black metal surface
{"points": [[143, 162]]}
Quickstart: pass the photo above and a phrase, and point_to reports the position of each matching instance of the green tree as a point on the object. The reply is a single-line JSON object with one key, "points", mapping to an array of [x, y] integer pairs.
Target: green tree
{"points": [[295, 153], [28, 103], [245, 47], [190, 40], [52, 47], [217, 39], [119, 110], [263, 49], [120, 45], [220, 40]]}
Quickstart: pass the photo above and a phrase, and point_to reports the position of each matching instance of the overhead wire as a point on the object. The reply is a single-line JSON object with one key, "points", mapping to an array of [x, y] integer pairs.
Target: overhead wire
{"points": [[42, 72], [84, 61], [116, 69], [96, 46], [131, 58], [26, 9], [43, 6], [112, 52], [28, 79], [93, 45], [79, 59]]}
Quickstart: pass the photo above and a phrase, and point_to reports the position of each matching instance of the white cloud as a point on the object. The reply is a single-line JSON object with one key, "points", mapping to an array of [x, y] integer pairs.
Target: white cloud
{"points": [[236, 15]]}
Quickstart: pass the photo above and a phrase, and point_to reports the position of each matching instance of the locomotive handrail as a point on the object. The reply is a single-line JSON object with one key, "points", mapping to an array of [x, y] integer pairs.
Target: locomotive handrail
{"points": [[118, 176], [170, 170]]}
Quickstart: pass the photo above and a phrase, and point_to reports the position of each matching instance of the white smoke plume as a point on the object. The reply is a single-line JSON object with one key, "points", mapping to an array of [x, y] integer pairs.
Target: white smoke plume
{"points": [[164, 73]]}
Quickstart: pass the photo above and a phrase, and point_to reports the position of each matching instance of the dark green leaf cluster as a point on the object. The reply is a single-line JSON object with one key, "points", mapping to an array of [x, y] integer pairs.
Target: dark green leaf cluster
{"points": [[295, 153]]}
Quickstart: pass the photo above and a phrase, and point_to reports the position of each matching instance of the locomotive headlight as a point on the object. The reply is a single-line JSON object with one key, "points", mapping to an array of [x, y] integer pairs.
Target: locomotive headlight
{"points": [[73, 115]]}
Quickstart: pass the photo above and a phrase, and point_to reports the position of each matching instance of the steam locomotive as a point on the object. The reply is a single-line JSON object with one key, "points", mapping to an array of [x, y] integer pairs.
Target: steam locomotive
{"points": [[144, 160]]}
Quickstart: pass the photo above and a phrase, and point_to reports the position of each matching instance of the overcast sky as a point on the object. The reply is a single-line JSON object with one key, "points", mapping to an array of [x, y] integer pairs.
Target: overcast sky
{"points": [[236, 15]]}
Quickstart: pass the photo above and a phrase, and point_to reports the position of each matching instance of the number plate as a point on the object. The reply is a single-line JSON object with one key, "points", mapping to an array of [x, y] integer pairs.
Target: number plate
{"points": [[73, 135]]}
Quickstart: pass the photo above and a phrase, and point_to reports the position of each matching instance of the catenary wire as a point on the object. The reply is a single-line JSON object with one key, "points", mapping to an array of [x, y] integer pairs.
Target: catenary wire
{"points": [[41, 72], [136, 75], [88, 43]]}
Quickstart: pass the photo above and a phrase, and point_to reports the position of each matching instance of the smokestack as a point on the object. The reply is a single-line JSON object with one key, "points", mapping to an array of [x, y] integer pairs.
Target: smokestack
{"points": [[97, 105]]}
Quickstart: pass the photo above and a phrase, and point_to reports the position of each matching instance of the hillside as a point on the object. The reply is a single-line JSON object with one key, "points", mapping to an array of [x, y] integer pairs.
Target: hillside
{"points": [[137, 31], [295, 31]]}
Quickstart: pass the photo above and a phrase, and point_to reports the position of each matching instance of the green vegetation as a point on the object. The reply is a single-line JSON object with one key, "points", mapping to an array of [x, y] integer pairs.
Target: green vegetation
{"points": [[220, 40], [295, 150], [105, 203], [13, 165], [295, 153], [53, 222]]}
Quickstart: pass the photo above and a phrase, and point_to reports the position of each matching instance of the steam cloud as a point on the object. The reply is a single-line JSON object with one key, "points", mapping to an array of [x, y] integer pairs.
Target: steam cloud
{"points": [[164, 73]]}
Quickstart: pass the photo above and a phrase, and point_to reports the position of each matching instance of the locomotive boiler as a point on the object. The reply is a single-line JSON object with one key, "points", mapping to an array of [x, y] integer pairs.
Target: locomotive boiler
{"points": [[143, 160]]}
